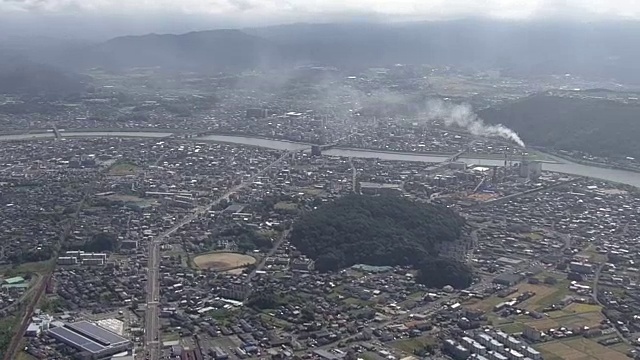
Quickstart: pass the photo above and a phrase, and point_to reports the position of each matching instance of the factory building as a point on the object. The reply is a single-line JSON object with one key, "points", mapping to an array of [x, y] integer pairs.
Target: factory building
{"points": [[90, 338], [531, 169]]}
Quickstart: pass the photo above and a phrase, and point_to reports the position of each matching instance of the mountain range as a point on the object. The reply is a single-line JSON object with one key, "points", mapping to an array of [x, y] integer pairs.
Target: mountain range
{"points": [[594, 50]]}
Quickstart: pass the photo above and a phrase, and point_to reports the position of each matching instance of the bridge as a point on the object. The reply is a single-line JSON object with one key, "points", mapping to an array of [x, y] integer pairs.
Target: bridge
{"points": [[56, 132], [332, 145], [457, 155]]}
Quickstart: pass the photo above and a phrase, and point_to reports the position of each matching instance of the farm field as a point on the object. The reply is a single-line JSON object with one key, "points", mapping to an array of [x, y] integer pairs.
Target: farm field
{"points": [[545, 295], [578, 348], [542, 292], [574, 315], [590, 319], [223, 261], [410, 345]]}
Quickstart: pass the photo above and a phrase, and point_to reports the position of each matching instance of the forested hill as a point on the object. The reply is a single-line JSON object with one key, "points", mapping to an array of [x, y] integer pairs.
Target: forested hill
{"points": [[594, 126], [20, 76], [383, 230]]}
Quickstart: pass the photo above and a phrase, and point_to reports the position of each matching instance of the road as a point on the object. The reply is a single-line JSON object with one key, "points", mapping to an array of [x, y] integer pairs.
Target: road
{"points": [[271, 252], [152, 319], [594, 294]]}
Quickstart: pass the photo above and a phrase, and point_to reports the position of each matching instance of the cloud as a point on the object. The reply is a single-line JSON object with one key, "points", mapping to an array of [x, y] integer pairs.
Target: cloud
{"points": [[177, 15], [429, 9]]}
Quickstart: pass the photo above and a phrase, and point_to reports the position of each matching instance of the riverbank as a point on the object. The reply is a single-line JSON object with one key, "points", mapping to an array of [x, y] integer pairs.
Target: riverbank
{"points": [[595, 163], [561, 166]]}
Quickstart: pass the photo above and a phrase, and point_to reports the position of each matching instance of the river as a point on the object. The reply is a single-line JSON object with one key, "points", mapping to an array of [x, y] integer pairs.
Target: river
{"points": [[563, 166]]}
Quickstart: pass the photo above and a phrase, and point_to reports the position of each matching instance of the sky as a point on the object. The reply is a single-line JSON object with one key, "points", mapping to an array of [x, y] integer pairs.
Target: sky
{"points": [[105, 18]]}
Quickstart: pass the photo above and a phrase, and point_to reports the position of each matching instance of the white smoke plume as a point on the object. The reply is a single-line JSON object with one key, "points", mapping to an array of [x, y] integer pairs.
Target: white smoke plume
{"points": [[462, 115]]}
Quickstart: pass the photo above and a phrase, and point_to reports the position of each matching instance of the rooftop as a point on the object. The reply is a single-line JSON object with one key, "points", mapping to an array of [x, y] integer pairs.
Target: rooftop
{"points": [[88, 337], [14, 280]]}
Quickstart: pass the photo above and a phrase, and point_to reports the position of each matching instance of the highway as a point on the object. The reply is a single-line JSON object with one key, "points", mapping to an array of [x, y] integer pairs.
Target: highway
{"points": [[153, 349]]}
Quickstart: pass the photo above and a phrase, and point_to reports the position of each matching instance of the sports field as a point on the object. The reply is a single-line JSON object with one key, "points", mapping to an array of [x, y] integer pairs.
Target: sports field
{"points": [[122, 168], [221, 261]]}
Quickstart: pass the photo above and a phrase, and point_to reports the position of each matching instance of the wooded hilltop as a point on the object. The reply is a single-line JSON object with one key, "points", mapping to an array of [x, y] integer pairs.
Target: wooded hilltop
{"points": [[383, 231]]}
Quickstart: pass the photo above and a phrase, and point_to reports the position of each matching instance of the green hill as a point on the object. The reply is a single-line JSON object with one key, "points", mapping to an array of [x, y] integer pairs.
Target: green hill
{"points": [[382, 230], [593, 126]]}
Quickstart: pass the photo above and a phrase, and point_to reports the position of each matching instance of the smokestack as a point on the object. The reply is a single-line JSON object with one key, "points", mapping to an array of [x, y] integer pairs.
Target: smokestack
{"points": [[463, 116]]}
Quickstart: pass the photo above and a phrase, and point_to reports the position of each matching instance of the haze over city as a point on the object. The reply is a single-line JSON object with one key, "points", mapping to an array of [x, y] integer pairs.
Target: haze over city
{"points": [[319, 180], [108, 18]]}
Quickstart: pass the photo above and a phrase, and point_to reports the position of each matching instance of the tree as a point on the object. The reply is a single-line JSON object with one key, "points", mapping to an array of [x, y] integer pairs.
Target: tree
{"points": [[101, 242], [381, 230], [307, 314], [263, 300], [439, 273], [584, 125]]}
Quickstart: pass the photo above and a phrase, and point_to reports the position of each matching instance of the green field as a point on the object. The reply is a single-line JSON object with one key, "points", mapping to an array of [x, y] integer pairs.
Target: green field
{"points": [[534, 236], [578, 348], [7, 327], [512, 328], [40, 267], [594, 255], [413, 344], [561, 291], [24, 356], [274, 321]]}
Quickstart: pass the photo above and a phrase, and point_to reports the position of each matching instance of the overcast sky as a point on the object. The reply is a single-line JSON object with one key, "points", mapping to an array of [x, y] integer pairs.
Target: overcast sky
{"points": [[90, 18]]}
